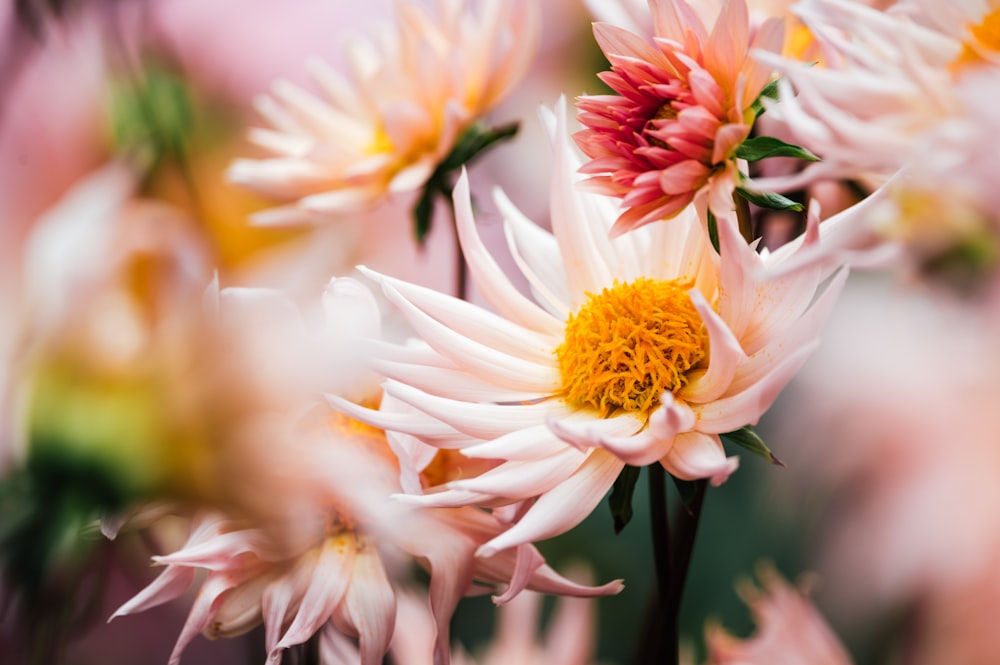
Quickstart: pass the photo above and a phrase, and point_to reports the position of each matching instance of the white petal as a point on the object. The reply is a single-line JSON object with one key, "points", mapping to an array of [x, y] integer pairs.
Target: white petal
{"points": [[505, 370], [580, 240], [473, 321], [522, 480], [536, 253], [725, 354], [415, 424], [490, 278], [563, 507], [484, 421], [524, 444], [651, 444]]}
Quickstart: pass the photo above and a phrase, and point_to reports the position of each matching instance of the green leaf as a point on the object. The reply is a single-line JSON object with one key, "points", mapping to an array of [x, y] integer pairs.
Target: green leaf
{"points": [[770, 91], [746, 437], [769, 200], [620, 500], [762, 147], [713, 231]]}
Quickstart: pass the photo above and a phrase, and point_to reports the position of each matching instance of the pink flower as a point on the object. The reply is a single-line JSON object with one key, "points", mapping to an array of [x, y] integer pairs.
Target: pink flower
{"points": [[342, 577], [683, 105], [569, 639], [789, 630], [641, 349], [909, 480], [386, 126], [877, 89]]}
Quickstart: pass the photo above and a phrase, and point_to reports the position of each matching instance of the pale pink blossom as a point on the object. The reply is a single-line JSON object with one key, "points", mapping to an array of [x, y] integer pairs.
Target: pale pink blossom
{"points": [[342, 580], [529, 386], [934, 219], [908, 482], [569, 638], [384, 127], [790, 631], [682, 107], [885, 79]]}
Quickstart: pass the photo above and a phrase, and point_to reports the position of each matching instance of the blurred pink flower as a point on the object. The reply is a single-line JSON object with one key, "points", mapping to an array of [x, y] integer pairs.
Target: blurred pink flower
{"points": [[789, 629], [683, 105], [906, 488], [341, 576], [383, 129], [877, 90], [567, 391], [569, 639]]}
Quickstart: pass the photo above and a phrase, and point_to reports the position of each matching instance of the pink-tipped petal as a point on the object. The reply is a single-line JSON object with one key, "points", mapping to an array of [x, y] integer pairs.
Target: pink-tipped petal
{"points": [[327, 585], [369, 607], [725, 355]]}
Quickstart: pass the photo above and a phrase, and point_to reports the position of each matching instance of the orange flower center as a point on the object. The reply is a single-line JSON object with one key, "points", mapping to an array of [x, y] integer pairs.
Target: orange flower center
{"points": [[629, 344], [982, 37]]}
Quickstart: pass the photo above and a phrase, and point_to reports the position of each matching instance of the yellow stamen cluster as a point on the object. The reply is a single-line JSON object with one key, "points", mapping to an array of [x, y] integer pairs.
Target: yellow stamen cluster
{"points": [[983, 37], [629, 344]]}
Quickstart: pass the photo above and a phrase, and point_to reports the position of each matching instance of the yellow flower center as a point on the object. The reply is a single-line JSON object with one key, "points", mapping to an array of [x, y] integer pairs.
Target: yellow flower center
{"points": [[630, 344], [983, 37]]}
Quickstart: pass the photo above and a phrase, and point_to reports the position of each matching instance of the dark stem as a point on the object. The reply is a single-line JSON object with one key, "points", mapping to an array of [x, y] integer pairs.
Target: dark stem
{"points": [[743, 216], [658, 645], [683, 545]]}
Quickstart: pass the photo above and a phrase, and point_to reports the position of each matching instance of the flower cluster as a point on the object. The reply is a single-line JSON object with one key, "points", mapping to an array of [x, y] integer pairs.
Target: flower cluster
{"points": [[324, 452]]}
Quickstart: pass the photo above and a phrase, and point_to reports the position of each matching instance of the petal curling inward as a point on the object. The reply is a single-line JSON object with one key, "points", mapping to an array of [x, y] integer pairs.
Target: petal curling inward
{"points": [[725, 355], [730, 413], [696, 455], [669, 420]]}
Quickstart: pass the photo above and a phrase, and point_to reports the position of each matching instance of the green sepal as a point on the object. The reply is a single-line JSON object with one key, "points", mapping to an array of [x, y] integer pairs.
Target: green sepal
{"points": [[152, 113], [620, 500], [422, 212], [469, 146], [770, 91], [713, 232], [763, 147], [769, 200], [688, 491], [747, 438]]}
